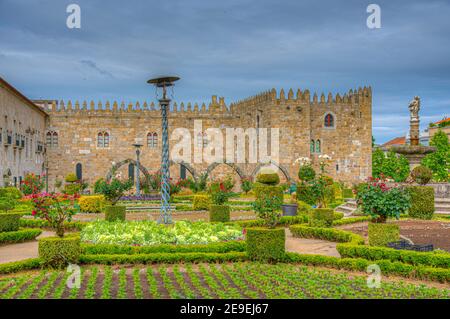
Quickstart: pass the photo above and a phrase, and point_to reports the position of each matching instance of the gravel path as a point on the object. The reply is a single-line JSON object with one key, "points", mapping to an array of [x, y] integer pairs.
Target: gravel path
{"points": [[16, 252]]}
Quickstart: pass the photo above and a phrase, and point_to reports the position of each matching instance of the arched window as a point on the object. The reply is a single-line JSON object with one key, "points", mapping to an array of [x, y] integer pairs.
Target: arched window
{"points": [[152, 140], [103, 139], [312, 146], [202, 139], [329, 120], [52, 139], [318, 146], [79, 171], [131, 171]]}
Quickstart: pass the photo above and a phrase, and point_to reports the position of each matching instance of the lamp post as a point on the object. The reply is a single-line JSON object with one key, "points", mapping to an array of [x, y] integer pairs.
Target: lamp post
{"points": [[164, 102], [138, 182]]}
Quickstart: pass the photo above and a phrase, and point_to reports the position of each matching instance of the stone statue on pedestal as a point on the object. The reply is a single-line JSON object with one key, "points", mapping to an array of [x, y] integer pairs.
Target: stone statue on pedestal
{"points": [[414, 108]]}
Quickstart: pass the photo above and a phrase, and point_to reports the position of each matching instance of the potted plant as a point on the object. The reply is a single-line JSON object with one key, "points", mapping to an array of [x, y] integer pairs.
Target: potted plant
{"points": [[113, 190], [219, 193], [379, 201], [290, 207], [266, 243], [56, 209]]}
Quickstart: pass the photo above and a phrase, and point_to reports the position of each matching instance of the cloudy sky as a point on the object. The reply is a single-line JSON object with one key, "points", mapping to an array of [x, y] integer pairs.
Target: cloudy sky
{"points": [[233, 48]]}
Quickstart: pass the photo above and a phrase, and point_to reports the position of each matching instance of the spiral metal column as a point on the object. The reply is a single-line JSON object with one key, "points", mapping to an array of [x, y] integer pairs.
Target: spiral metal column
{"points": [[165, 213]]}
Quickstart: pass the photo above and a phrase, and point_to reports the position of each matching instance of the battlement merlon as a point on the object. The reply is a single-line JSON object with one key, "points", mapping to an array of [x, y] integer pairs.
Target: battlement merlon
{"points": [[357, 96]]}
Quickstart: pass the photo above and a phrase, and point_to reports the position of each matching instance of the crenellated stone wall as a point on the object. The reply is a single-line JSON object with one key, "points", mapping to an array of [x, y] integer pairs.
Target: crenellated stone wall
{"points": [[300, 118]]}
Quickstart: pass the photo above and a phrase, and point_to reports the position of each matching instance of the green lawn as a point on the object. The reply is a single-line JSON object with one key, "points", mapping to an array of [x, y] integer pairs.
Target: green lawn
{"points": [[237, 280]]}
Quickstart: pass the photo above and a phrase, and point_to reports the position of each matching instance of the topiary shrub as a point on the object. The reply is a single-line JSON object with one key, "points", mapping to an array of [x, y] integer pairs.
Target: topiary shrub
{"points": [[422, 202], [71, 178], [380, 234], [265, 244], [219, 213], [57, 252], [9, 221], [306, 173], [267, 191], [347, 193], [91, 204], [268, 177], [201, 202], [321, 217], [421, 175], [71, 189], [303, 208], [114, 212]]}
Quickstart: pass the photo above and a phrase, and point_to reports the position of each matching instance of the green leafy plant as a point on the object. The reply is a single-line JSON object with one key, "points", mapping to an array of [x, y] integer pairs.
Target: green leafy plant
{"points": [[389, 165], [439, 161], [246, 185], [114, 189], [268, 209], [421, 175]]}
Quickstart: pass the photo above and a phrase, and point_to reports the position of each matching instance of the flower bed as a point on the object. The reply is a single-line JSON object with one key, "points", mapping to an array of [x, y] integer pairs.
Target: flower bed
{"points": [[151, 233]]}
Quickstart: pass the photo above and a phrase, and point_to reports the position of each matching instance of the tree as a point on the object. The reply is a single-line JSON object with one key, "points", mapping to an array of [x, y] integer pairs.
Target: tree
{"points": [[439, 161], [389, 165]]}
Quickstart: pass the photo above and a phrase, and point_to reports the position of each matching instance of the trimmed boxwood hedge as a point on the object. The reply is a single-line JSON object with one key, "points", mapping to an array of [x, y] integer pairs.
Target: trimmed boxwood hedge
{"points": [[264, 191], [351, 220], [9, 221], [265, 244], [115, 212], [433, 259], [19, 236], [284, 221], [57, 252], [105, 249], [387, 267], [331, 234], [268, 178], [201, 202], [163, 258], [41, 223], [219, 213], [422, 202], [321, 217], [380, 234], [16, 266], [347, 193]]}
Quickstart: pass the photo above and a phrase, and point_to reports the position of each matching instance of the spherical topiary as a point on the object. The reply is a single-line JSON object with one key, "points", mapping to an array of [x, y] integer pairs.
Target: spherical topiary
{"points": [[268, 176], [71, 178], [421, 175], [306, 173]]}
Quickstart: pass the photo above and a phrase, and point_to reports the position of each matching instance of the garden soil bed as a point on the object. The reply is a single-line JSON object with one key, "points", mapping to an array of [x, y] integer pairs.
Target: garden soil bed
{"points": [[419, 231]]}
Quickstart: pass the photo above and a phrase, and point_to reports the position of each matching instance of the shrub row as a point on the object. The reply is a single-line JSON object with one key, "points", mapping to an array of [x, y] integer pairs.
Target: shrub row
{"points": [[104, 249], [9, 221], [284, 221], [16, 266], [330, 234], [441, 260], [351, 220], [19, 236], [40, 223], [387, 267], [163, 258]]}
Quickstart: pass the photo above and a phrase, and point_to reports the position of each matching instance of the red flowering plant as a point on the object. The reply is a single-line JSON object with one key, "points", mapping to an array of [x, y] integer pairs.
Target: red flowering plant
{"points": [[219, 191], [55, 208], [380, 201], [32, 184]]}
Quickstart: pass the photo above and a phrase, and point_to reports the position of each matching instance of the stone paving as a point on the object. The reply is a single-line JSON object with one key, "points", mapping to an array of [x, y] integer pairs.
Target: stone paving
{"points": [[16, 252]]}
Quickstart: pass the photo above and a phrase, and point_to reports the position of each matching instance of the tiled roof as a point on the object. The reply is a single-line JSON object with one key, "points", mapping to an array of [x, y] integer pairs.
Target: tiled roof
{"points": [[396, 141]]}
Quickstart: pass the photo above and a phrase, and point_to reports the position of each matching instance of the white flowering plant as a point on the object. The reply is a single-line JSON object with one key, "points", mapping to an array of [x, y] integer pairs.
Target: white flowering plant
{"points": [[145, 233]]}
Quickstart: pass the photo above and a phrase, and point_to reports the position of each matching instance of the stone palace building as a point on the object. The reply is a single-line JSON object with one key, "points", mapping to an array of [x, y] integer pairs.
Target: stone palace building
{"points": [[88, 138]]}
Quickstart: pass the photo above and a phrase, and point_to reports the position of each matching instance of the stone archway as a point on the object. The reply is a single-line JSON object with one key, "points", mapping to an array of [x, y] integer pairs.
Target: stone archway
{"points": [[280, 167], [187, 166], [116, 166], [235, 167]]}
